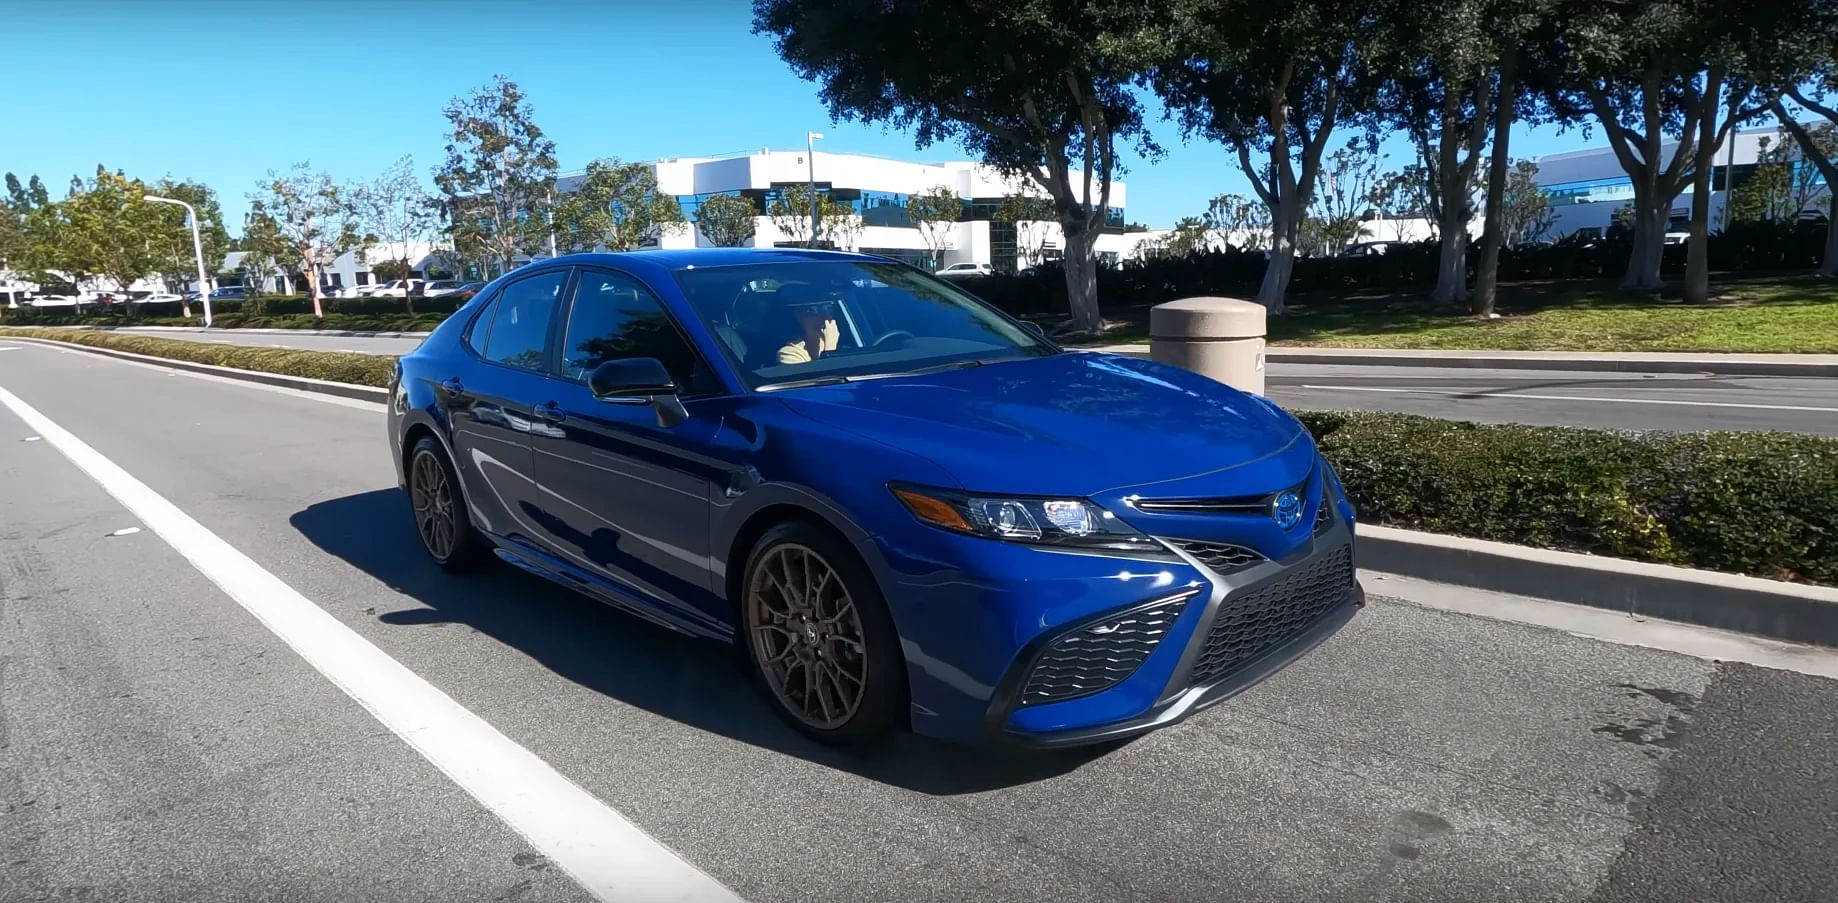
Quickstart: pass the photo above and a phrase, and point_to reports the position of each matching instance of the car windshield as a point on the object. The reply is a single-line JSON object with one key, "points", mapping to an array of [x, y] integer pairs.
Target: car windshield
{"points": [[798, 322]]}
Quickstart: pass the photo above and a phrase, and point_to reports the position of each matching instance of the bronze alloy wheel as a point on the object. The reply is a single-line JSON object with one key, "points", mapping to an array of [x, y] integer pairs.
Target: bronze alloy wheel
{"points": [[806, 635], [436, 516]]}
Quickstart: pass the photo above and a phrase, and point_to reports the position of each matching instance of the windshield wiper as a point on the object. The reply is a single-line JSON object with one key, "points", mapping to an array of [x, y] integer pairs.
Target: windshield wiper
{"points": [[865, 377]]}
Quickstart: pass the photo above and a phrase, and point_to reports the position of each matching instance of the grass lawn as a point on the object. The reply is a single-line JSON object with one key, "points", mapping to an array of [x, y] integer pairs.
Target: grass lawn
{"points": [[1799, 316]]}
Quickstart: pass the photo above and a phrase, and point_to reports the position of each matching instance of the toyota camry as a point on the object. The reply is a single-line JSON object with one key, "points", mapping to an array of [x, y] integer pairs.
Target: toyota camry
{"points": [[901, 506]]}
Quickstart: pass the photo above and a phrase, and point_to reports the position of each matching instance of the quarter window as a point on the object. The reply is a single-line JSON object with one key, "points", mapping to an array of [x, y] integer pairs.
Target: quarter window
{"points": [[614, 316], [520, 323]]}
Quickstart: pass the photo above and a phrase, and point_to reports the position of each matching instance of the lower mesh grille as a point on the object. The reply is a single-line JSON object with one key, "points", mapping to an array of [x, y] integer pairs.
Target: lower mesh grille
{"points": [[1098, 657], [1248, 625], [1222, 558]]}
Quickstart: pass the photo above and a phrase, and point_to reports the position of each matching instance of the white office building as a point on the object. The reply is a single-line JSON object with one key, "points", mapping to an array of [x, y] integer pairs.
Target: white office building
{"points": [[1586, 187], [877, 190]]}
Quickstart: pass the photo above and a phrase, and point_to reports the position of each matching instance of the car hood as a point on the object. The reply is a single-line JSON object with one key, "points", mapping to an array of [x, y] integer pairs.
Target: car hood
{"points": [[1074, 424]]}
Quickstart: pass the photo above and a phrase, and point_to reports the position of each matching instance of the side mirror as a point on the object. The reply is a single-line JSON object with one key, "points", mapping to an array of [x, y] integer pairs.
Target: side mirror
{"points": [[639, 380]]}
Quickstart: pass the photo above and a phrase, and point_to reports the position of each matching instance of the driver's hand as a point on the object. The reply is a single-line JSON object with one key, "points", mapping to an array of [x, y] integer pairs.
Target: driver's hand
{"points": [[831, 334]]}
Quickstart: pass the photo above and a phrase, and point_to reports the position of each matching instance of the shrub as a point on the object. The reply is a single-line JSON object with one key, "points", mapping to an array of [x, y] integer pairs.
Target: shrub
{"points": [[1751, 503], [359, 369]]}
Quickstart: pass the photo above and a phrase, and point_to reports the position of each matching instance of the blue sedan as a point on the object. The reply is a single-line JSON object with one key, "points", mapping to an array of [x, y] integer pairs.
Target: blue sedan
{"points": [[902, 506]]}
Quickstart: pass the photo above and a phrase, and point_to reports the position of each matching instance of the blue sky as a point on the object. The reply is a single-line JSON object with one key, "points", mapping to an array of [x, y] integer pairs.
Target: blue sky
{"points": [[225, 90]]}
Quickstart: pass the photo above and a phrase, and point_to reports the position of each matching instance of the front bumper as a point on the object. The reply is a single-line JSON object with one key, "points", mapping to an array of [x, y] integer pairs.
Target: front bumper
{"points": [[1202, 676]]}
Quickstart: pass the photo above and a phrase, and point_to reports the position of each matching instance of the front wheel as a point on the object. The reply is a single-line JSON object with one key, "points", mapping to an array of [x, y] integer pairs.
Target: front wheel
{"points": [[819, 636]]}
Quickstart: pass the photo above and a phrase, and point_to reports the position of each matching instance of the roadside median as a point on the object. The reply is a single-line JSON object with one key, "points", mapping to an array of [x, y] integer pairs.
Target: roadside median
{"points": [[1726, 529]]}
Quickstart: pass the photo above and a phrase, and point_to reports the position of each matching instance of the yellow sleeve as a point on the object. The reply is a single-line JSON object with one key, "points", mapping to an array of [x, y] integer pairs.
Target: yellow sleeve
{"points": [[794, 352]]}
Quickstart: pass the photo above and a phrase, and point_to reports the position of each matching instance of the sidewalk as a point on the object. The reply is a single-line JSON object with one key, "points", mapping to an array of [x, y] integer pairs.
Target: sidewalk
{"points": [[1813, 365]]}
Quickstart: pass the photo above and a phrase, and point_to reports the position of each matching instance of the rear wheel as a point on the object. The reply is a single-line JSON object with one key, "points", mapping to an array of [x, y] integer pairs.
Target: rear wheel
{"points": [[819, 637], [440, 509]]}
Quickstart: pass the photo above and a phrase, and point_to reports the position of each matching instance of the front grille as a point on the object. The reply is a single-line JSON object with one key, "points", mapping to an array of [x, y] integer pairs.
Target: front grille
{"points": [[1222, 558], [1099, 656], [1248, 625]]}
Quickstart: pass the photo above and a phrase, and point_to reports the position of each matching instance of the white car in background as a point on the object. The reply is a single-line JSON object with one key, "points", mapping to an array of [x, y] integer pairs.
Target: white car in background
{"points": [[152, 298], [967, 269], [397, 288], [337, 291], [441, 288], [365, 291], [54, 301]]}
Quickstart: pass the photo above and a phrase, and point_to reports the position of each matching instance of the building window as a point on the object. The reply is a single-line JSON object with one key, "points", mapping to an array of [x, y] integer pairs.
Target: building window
{"points": [[1590, 191]]}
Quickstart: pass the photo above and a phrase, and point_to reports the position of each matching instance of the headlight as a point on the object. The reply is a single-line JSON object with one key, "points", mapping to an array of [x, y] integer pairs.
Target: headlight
{"points": [[1059, 522]]}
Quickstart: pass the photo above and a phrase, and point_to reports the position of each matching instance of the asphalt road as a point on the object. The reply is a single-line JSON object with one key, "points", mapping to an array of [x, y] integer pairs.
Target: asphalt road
{"points": [[1554, 398], [159, 742]]}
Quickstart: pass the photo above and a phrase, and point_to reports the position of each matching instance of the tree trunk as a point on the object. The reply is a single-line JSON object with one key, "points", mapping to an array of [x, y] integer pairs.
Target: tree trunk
{"points": [[1285, 222], [1831, 234], [1493, 231], [1649, 243], [1452, 262], [1697, 253], [1082, 279], [312, 276]]}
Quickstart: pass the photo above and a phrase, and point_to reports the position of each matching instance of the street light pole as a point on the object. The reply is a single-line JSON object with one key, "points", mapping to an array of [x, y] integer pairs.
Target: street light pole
{"points": [[810, 156], [197, 248]]}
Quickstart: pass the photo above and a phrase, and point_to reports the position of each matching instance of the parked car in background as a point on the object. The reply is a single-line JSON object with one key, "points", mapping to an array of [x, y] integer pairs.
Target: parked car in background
{"points": [[467, 290], [152, 298], [336, 291], [396, 288], [1369, 248], [997, 561], [222, 293], [967, 269], [366, 291], [441, 288], [54, 300]]}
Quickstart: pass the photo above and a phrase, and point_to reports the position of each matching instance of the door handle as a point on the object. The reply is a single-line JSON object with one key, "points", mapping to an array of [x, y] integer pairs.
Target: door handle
{"points": [[453, 386], [549, 412]]}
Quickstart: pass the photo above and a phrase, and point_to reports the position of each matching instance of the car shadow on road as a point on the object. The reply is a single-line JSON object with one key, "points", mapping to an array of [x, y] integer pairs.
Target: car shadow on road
{"points": [[695, 682]]}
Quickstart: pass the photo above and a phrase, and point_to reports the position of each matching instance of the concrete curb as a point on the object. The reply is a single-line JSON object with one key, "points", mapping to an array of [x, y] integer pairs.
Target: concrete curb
{"points": [[299, 383], [1796, 612], [1733, 365]]}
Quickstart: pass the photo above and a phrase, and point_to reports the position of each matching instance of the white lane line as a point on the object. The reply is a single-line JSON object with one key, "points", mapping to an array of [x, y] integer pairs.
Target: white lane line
{"points": [[1693, 404], [612, 858]]}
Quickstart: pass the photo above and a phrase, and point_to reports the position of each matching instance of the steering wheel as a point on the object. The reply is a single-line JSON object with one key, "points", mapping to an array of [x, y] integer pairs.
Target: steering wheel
{"points": [[892, 334]]}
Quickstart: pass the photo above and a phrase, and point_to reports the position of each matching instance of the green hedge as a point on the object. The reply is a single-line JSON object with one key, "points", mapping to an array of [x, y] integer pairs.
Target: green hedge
{"points": [[360, 369], [1750, 503]]}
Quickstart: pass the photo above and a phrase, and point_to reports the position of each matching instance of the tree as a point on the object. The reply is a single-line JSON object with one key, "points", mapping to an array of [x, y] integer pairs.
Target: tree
{"points": [[1442, 74], [1525, 212], [178, 259], [1825, 83], [1031, 216], [313, 222], [395, 212], [1272, 82], [110, 231], [617, 206], [1040, 89], [1239, 221], [499, 177], [935, 210], [1400, 197], [263, 248], [1341, 205], [791, 215], [1694, 68], [727, 220]]}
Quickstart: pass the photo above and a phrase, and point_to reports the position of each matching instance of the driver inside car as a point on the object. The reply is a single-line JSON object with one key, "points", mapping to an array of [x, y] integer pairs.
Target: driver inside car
{"points": [[818, 334]]}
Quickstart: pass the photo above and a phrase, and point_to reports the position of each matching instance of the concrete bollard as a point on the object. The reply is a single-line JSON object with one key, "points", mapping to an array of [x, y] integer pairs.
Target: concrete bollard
{"points": [[1218, 337]]}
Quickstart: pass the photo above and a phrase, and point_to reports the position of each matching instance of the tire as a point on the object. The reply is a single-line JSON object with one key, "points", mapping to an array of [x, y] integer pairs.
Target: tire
{"points": [[445, 527], [789, 637]]}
